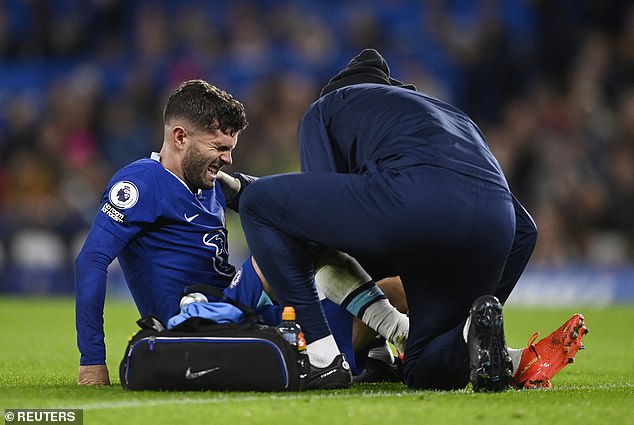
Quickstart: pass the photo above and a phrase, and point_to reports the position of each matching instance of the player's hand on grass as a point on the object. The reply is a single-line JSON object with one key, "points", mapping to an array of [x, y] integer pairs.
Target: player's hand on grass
{"points": [[93, 375]]}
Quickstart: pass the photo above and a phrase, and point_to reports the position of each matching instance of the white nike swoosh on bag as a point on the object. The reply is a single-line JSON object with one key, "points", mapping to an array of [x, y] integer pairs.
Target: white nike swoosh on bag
{"points": [[190, 219], [193, 375]]}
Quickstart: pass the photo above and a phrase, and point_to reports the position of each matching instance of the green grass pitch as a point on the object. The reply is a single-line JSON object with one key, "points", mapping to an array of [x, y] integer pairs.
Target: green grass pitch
{"points": [[38, 367]]}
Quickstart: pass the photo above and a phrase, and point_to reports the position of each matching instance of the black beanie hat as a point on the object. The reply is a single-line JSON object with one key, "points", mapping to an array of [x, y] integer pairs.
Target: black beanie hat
{"points": [[367, 67]]}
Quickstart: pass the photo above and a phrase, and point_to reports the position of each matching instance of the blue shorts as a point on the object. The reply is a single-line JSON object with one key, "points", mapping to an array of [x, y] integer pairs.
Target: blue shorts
{"points": [[246, 288]]}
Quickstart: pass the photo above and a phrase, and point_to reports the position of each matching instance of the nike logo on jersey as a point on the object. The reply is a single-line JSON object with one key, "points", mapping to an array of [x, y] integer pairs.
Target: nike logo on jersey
{"points": [[191, 218], [193, 375]]}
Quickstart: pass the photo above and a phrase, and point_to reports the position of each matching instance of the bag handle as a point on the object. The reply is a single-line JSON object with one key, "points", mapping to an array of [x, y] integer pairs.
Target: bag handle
{"points": [[151, 323], [249, 312]]}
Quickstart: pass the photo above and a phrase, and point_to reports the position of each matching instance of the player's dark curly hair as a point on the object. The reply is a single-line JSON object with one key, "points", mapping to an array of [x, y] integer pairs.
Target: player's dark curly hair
{"points": [[206, 107]]}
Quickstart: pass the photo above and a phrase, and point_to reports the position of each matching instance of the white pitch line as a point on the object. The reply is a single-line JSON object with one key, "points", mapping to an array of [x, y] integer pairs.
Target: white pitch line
{"points": [[126, 404]]}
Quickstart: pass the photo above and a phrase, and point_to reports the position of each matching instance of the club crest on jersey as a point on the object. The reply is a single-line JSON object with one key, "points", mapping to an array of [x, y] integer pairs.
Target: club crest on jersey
{"points": [[123, 194], [236, 279]]}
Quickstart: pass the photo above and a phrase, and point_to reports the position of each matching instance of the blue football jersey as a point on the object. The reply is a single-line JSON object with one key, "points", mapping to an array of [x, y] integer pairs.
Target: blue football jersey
{"points": [[165, 238]]}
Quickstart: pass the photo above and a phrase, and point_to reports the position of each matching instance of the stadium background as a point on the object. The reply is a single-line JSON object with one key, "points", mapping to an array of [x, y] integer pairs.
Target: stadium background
{"points": [[550, 82]]}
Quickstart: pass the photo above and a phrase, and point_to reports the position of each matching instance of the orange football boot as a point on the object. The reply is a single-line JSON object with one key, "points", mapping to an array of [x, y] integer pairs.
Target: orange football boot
{"points": [[541, 361]]}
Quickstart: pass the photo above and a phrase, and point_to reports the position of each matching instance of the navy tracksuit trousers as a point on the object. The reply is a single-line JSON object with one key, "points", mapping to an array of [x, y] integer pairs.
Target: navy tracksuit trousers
{"points": [[450, 237]]}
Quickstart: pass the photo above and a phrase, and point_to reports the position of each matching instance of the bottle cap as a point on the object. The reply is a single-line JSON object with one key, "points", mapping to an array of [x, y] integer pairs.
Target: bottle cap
{"points": [[288, 313]]}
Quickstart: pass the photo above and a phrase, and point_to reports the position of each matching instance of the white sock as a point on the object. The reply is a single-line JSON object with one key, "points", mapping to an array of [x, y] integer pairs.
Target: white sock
{"points": [[516, 356], [465, 330], [388, 322], [338, 275], [323, 351]]}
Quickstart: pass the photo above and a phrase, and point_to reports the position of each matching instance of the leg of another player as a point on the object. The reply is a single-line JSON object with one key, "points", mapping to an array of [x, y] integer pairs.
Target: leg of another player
{"points": [[523, 244], [362, 334], [343, 281], [392, 288]]}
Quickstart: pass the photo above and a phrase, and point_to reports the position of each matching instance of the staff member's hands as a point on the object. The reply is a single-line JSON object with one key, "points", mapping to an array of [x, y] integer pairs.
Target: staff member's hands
{"points": [[93, 375]]}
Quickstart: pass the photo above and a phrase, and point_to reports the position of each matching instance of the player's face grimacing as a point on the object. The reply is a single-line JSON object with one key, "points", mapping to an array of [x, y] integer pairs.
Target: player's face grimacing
{"points": [[206, 154]]}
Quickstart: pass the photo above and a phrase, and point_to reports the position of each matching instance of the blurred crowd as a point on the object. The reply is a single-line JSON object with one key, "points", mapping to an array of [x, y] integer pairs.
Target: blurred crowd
{"points": [[82, 85]]}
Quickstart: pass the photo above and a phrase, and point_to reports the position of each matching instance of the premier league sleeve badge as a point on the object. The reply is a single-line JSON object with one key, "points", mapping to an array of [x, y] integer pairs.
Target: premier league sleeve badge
{"points": [[123, 195]]}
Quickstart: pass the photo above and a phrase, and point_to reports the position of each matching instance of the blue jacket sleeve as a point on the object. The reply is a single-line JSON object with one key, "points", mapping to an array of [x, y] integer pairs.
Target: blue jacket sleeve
{"points": [[91, 265]]}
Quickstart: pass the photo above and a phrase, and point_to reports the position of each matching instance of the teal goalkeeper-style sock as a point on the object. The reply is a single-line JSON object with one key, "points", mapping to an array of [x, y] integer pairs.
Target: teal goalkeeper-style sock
{"points": [[358, 301], [343, 281]]}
